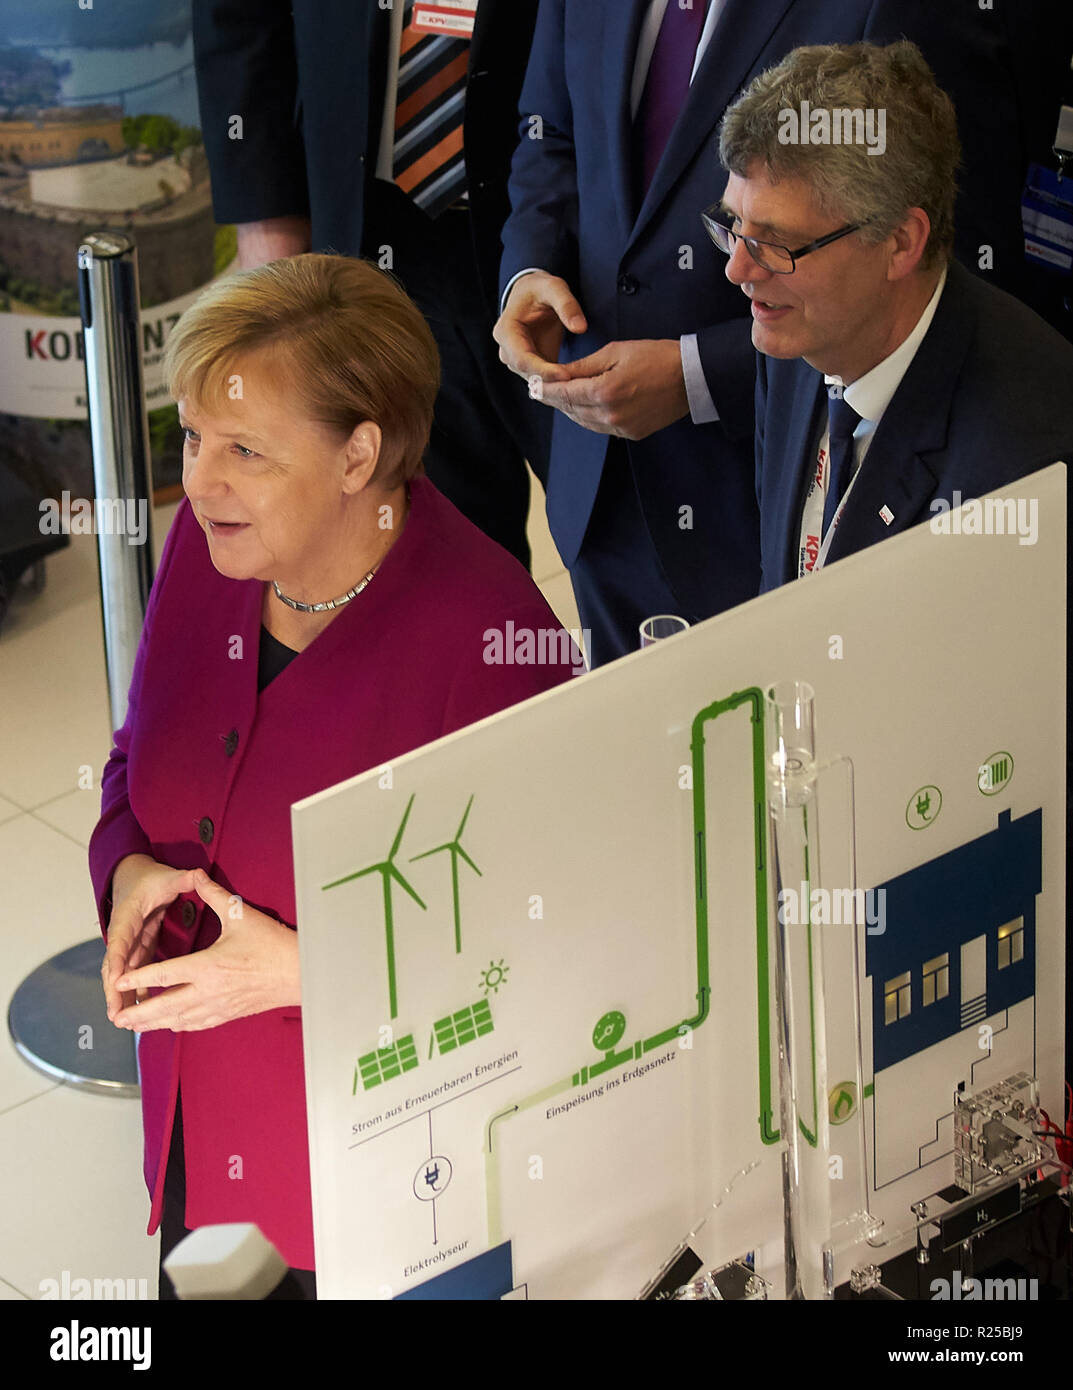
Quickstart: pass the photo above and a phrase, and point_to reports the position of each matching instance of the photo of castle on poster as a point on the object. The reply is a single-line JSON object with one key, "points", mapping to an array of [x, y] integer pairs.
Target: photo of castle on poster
{"points": [[99, 128]]}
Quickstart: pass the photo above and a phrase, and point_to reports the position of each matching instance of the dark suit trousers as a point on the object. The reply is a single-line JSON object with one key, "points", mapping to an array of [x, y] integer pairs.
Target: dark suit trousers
{"points": [[485, 425], [618, 580]]}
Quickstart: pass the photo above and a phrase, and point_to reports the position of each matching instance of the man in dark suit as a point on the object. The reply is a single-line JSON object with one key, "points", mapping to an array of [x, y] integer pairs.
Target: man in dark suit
{"points": [[604, 268], [892, 385], [298, 104], [891, 382]]}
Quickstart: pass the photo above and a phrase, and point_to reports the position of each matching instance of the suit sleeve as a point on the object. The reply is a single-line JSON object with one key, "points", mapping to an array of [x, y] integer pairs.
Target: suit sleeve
{"points": [[542, 228], [244, 57], [729, 362], [118, 832]]}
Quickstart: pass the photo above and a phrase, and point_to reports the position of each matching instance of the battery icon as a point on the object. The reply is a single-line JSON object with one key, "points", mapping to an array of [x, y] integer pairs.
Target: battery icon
{"points": [[993, 775]]}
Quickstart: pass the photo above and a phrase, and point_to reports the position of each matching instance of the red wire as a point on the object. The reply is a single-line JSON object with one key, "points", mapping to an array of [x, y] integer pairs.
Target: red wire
{"points": [[1063, 1143]]}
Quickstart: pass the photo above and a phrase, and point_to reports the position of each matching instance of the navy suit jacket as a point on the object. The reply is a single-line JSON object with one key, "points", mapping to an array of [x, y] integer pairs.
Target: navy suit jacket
{"points": [[987, 399], [650, 272], [308, 76]]}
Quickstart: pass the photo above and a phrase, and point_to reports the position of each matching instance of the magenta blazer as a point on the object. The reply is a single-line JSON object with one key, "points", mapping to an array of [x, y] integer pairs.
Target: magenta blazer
{"points": [[204, 772]]}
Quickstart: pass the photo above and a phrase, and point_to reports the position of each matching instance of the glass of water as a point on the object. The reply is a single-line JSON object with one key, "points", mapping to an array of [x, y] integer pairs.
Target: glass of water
{"points": [[663, 625]]}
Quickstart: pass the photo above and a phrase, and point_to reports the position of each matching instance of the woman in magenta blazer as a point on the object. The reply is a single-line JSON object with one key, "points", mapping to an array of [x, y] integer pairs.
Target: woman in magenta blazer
{"points": [[319, 609]]}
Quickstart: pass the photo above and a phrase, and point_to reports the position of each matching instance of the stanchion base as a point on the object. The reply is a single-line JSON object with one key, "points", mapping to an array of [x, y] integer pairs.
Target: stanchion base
{"points": [[58, 1023]]}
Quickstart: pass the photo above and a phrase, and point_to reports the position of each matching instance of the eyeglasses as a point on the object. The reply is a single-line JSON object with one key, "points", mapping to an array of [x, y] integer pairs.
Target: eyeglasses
{"points": [[780, 260]]}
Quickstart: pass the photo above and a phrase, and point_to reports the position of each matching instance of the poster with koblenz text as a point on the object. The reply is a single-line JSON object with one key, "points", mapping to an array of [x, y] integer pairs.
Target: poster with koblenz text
{"points": [[537, 1004]]}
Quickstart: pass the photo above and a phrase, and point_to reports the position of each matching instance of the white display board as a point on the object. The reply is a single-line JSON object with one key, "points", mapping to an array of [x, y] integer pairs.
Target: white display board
{"points": [[532, 989]]}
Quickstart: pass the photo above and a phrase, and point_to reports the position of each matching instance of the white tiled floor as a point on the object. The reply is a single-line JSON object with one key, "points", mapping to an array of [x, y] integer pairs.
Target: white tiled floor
{"points": [[73, 1197]]}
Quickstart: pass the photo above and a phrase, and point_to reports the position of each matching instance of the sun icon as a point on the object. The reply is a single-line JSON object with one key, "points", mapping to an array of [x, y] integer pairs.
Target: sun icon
{"points": [[494, 976]]}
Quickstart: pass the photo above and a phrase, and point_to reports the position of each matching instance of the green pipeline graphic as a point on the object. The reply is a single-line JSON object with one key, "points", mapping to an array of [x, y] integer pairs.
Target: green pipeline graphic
{"points": [[611, 1026]]}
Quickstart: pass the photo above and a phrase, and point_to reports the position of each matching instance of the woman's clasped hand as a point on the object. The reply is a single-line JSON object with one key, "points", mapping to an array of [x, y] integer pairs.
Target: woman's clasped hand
{"points": [[252, 967]]}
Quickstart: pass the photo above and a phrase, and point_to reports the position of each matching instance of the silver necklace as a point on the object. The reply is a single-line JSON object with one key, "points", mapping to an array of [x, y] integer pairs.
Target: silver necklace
{"points": [[323, 607]]}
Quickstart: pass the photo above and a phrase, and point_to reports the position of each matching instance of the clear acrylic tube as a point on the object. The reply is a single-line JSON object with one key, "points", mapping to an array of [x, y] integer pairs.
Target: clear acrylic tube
{"points": [[794, 819]]}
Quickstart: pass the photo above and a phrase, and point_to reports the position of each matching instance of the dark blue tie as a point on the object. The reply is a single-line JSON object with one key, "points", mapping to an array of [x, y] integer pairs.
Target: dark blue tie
{"points": [[842, 420]]}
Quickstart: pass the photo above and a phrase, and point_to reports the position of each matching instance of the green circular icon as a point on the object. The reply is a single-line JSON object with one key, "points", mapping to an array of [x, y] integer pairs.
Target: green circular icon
{"points": [[923, 809], [608, 1031], [842, 1102], [994, 773], [494, 976]]}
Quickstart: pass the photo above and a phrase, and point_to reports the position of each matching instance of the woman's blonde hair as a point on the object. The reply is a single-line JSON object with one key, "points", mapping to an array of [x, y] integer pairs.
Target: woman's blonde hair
{"points": [[341, 334]]}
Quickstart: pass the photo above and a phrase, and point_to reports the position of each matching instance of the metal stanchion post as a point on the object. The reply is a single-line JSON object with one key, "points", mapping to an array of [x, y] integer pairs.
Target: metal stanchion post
{"points": [[52, 1008], [119, 435]]}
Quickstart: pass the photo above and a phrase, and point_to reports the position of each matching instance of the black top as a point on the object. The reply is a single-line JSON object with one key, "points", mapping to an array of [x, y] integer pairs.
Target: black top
{"points": [[273, 658]]}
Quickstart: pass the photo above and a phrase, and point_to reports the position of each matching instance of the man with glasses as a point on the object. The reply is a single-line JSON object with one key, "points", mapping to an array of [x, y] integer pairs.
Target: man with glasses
{"points": [[891, 383], [890, 379], [780, 260], [616, 315]]}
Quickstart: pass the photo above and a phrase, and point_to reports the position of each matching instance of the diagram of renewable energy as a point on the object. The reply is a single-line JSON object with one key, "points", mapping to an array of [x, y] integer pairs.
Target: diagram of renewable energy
{"points": [[955, 964], [539, 963], [400, 1054]]}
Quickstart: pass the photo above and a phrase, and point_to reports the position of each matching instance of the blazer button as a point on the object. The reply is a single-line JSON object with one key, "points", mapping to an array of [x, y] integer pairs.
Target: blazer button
{"points": [[231, 743], [628, 284], [205, 830], [189, 914]]}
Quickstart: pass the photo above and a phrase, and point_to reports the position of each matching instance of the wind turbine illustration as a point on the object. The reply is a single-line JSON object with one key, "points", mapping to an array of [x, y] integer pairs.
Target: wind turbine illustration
{"points": [[387, 871], [455, 850]]}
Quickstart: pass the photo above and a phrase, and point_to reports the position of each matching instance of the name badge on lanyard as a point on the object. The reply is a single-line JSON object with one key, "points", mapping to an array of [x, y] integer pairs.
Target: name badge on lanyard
{"points": [[814, 544], [451, 18], [1047, 216]]}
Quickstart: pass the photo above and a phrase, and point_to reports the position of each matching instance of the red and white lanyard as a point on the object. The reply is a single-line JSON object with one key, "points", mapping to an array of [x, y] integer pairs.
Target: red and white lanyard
{"points": [[814, 546]]}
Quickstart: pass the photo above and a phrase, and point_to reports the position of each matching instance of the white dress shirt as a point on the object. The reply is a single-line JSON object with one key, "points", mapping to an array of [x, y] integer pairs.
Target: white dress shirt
{"points": [[869, 396]]}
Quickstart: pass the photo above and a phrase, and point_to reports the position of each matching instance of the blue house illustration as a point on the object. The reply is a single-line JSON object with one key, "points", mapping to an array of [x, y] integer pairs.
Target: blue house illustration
{"points": [[960, 940]]}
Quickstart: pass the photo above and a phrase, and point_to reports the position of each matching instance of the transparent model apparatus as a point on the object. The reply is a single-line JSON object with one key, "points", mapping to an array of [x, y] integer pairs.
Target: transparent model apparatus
{"points": [[817, 978], [808, 979], [995, 1132]]}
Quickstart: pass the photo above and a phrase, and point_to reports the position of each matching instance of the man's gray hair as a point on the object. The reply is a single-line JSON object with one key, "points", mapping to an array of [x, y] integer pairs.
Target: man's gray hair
{"points": [[772, 120]]}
